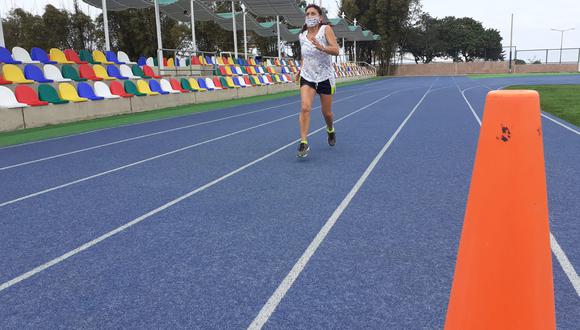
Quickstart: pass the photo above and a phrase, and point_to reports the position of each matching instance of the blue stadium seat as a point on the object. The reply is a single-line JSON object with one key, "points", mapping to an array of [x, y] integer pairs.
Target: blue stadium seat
{"points": [[85, 90], [155, 87], [35, 73], [6, 57], [39, 54]]}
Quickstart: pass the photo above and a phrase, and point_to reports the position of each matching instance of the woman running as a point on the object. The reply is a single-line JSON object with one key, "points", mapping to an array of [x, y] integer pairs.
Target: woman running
{"points": [[318, 43]]}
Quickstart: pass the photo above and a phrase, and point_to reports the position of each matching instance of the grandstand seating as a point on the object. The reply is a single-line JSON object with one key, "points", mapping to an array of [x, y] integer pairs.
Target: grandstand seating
{"points": [[25, 94]]}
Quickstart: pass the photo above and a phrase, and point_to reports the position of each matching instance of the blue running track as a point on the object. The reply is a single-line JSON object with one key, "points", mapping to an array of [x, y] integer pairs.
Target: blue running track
{"points": [[194, 222]]}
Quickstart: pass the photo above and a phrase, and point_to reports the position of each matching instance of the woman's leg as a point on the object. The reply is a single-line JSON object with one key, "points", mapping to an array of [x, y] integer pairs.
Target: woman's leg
{"points": [[307, 95], [326, 101]]}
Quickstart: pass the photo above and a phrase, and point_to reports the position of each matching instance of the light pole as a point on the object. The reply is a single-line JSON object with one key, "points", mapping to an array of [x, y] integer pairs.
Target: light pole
{"points": [[562, 40]]}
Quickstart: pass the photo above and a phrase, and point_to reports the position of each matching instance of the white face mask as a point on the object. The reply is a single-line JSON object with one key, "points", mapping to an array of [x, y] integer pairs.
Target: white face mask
{"points": [[312, 21]]}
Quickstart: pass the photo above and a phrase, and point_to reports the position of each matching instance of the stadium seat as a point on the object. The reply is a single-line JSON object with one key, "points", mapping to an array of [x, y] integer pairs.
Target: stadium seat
{"points": [[112, 57], [230, 83], [71, 73], [6, 57], [100, 57], [88, 57], [58, 56], [208, 60], [238, 71], [102, 90], [126, 72], [25, 94], [101, 72], [141, 61], [114, 72], [137, 71], [14, 74], [222, 70], [229, 71], [72, 56], [195, 60], [20, 54], [8, 99], [143, 87], [247, 81], [263, 80], [39, 54], [118, 89], [220, 61], [149, 72], [33, 72], [195, 85], [166, 86], [170, 63], [224, 83], [68, 92], [48, 93], [53, 73], [155, 87], [217, 83], [256, 81], [3, 81], [176, 85], [210, 84], [87, 72], [150, 62], [186, 85], [238, 81], [85, 90], [201, 84]]}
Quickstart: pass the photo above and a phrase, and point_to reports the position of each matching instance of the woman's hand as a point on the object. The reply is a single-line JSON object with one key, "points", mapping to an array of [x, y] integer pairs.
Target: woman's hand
{"points": [[316, 44]]}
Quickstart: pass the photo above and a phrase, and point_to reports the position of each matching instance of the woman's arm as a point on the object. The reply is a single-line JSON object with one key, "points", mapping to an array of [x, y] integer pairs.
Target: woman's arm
{"points": [[332, 47]]}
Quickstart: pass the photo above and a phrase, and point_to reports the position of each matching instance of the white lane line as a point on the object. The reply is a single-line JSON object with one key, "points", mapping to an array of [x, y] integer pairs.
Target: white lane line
{"points": [[355, 87], [103, 237], [560, 124], [565, 263], [468, 103], [289, 280], [558, 252], [143, 136], [70, 183]]}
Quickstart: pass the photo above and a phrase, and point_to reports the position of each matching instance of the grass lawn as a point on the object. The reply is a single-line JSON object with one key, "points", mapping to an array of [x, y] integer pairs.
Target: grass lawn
{"points": [[515, 75], [562, 101], [47, 132]]}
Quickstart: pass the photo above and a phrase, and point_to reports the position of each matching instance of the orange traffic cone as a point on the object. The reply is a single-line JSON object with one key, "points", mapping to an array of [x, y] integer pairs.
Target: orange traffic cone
{"points": [[503, 276]]}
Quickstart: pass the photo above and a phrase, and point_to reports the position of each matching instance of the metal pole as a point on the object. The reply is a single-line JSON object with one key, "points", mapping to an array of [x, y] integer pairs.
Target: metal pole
{"points": [[1, 32], [511, 42], [355, 44], [245, 34], [193, 40], [547, 50], [159, 41], [561, 46], [235, 29], [106, 25], [278, 33]]}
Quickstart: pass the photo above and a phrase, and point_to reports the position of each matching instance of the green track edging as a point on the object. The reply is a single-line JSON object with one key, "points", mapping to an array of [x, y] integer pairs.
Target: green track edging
{"points": [[60, 130]]}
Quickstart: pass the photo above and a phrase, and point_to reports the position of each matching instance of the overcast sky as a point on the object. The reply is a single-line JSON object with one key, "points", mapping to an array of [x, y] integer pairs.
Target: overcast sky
{"points": [[532, 22]]}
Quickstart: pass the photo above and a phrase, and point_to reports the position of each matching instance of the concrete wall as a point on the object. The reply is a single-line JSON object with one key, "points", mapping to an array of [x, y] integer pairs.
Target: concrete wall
{"points": [[18, 118], [449, 69]]}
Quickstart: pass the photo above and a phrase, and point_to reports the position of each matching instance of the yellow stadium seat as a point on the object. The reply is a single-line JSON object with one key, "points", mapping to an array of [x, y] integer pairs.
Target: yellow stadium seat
{"points": [[193, 83], [251, 61], [101, 72], [253, 70], [100, 57], [171, 63], [58, 56], [230, 82], [220, 61], [202, 60], [143, 87], [229, 71], [69, 92], [277, 78], [257, 80], [14, 74]]}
